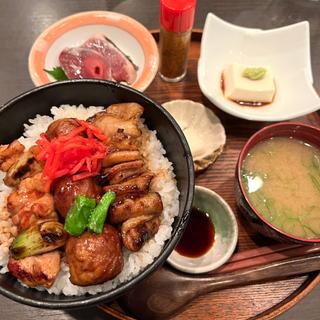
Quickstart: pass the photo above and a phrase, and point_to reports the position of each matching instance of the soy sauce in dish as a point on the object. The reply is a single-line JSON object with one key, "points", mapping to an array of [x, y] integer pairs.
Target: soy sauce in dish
{"points": [[198, 236]]}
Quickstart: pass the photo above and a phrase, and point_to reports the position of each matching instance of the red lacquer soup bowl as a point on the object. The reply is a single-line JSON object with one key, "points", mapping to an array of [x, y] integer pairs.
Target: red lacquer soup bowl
{"points": [[299, 131]]}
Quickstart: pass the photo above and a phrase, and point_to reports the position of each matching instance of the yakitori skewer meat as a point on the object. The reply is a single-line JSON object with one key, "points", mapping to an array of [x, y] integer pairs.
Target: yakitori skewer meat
{"points": [[110, 125], [26, 166], [126, 175], [61, 127], [126, 111], [136, 231], [9, 154], [120, 156], [123, 171], [36, 270], [30, 202], [148, 204], [139, 184], [122, 141]]}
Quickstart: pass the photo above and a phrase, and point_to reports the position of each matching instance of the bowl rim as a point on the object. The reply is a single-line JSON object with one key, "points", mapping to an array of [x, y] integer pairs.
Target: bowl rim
{"points": [[231, 246], [243, 153], [88, 300]]}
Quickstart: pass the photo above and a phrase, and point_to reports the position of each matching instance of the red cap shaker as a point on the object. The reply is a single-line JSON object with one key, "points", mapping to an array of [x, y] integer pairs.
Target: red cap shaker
{"points": [[176, 21]]}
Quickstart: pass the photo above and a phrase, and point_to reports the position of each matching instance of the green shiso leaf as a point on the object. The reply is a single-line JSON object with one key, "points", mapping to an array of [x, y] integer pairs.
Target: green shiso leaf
{"points": [[57, 73]]}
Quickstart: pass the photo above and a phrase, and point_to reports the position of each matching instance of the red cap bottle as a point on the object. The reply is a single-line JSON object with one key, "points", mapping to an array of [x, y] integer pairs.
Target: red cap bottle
{"points": [[176, 19], [177, 15]]}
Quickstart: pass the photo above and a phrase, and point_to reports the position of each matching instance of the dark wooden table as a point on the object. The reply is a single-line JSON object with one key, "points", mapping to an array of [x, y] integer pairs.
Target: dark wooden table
{"points": [[22, 21]]}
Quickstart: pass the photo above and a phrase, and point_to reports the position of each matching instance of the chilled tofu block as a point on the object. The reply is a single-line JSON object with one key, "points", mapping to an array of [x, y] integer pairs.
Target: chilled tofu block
{"points": [[237, 87]]}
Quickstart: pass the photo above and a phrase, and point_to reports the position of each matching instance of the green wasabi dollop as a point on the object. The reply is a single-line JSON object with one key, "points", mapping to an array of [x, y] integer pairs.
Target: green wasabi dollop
{"points": [[254, 73]]}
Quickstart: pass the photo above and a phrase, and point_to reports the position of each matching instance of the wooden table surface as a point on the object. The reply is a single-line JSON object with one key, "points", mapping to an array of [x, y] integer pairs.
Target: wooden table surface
{"points": [[22, 21]]}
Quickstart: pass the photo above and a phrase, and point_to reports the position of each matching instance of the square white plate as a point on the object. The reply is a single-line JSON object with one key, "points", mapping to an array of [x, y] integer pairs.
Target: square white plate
{"points": [[285, 50]]}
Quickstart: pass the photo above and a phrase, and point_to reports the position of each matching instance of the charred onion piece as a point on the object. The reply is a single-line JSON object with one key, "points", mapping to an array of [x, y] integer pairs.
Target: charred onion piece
{"points": [[41, 237]]}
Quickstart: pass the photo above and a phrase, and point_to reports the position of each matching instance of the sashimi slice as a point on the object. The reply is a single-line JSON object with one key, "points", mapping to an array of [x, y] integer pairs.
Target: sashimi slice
{"points": [[98, 58], [122, 67], [81, 63]]}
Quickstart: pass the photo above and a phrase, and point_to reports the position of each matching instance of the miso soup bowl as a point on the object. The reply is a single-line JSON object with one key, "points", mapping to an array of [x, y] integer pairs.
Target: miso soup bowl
{"points": [[300, 131]]}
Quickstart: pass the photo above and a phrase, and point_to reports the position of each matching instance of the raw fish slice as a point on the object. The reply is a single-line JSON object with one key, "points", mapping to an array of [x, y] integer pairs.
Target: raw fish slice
{"points": [[122, 67], [81, 63]]}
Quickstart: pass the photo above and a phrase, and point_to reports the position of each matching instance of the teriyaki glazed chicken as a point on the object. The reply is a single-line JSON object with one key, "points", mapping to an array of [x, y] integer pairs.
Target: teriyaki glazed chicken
{"points": [[87, 199]]}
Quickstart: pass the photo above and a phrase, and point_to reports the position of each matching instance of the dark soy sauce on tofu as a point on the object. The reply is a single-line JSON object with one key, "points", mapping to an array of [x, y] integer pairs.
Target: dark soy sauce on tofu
{"points": [[198, 237]]}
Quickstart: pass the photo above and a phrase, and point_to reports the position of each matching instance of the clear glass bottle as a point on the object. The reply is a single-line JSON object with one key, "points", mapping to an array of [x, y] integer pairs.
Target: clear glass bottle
{"points": [[176, 20]]}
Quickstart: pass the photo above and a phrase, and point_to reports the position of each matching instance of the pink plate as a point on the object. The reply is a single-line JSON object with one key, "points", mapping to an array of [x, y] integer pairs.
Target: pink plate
{"points": [[128, 34]]}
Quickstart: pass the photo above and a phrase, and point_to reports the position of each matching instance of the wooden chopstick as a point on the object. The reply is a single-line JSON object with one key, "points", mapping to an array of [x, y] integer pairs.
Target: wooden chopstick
{"points": [[257, 252], [266, 255], [113, 312]]}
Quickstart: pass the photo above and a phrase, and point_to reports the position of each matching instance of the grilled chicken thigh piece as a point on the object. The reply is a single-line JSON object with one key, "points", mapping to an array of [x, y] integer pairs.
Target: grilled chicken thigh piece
{"points": [[29, 202], [110, 125], [136, 231], [9, 154], [149, 204], [126, 111], [139, 184], [36, 270], [119, 118], [26, 166], [123, 141], [120, 156], [61, 127], [122, 171]]}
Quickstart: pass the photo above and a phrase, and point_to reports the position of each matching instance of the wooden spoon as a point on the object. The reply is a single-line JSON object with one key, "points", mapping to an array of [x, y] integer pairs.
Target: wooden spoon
{"points": [[166, 292]]}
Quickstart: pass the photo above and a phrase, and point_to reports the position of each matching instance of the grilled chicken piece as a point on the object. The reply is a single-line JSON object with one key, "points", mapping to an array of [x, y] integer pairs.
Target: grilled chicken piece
{"points": [[136, 231], [110, 125], [36, 270], [65, 191], [94, 258], [120, 156], [29, 203], [123, 171], [126, 111], [9, 154], [34, 183], [26, 166], [136, 185], [149, 204], [61, 127], [123, 141]]}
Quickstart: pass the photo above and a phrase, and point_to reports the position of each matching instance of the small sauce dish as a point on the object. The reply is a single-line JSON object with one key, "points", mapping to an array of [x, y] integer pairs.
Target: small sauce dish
{"points": [[225, 234]]}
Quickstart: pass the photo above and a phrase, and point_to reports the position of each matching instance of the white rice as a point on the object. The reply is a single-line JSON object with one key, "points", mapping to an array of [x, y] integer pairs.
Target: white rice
{"points": [[164, 183]]}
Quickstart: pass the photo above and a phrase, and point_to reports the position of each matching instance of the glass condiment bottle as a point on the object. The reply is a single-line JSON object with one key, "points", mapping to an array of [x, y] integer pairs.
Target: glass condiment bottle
{"points": [[176, 21]]}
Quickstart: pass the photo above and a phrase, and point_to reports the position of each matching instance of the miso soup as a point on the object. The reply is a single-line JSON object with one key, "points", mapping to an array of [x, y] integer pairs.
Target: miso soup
{"points": [[282, 181]]}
